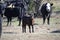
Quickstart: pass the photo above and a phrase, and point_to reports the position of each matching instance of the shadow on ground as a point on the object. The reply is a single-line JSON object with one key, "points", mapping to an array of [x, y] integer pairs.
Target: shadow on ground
{"points": [[56, 31]]}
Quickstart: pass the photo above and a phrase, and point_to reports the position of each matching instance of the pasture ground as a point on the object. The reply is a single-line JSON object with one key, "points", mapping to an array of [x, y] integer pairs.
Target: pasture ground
{"points": [[41, 32]]}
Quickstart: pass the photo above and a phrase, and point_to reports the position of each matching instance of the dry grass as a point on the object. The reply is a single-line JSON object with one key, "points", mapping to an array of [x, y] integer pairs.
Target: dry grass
{"points": [[41, 32]]}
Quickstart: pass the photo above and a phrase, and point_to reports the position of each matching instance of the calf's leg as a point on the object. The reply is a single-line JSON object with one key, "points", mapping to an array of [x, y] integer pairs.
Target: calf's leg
{"points": [[32, 28], [48, 19], [19, 21], [24, 29], [44, 18], [10, 20], [29, 28], [23, 26], [7, 21]]}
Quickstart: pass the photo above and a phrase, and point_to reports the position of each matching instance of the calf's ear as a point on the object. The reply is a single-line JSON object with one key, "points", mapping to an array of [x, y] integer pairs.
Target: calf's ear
{"points": [[51, 4]]}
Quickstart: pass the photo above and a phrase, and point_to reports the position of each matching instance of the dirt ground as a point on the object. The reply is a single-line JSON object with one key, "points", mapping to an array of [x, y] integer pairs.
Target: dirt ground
{"points": [[41, 32]]}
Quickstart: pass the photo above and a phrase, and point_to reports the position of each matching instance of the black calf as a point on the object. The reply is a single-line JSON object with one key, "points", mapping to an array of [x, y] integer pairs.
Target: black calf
{"points": [[27, 20], [46, 12], [11, 12]]}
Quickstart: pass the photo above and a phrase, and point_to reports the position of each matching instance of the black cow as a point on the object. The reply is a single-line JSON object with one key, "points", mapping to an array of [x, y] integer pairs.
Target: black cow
{"points": [[27, 20], [13, 11], [46, 10]]}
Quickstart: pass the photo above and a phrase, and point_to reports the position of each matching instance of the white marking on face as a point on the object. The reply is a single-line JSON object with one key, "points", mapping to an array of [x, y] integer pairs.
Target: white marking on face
{"points": [[48, 7]]}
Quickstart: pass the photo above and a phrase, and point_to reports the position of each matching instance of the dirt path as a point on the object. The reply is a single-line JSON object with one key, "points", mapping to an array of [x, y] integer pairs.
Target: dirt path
{"points": [[41, 32]]}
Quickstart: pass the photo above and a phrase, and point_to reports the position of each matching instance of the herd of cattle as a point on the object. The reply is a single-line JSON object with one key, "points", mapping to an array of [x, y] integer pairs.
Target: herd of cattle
{"points": [[26, 19]]}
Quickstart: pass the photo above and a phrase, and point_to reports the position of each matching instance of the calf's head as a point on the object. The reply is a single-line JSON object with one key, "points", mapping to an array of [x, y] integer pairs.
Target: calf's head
{"points": [[48, 6]]}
